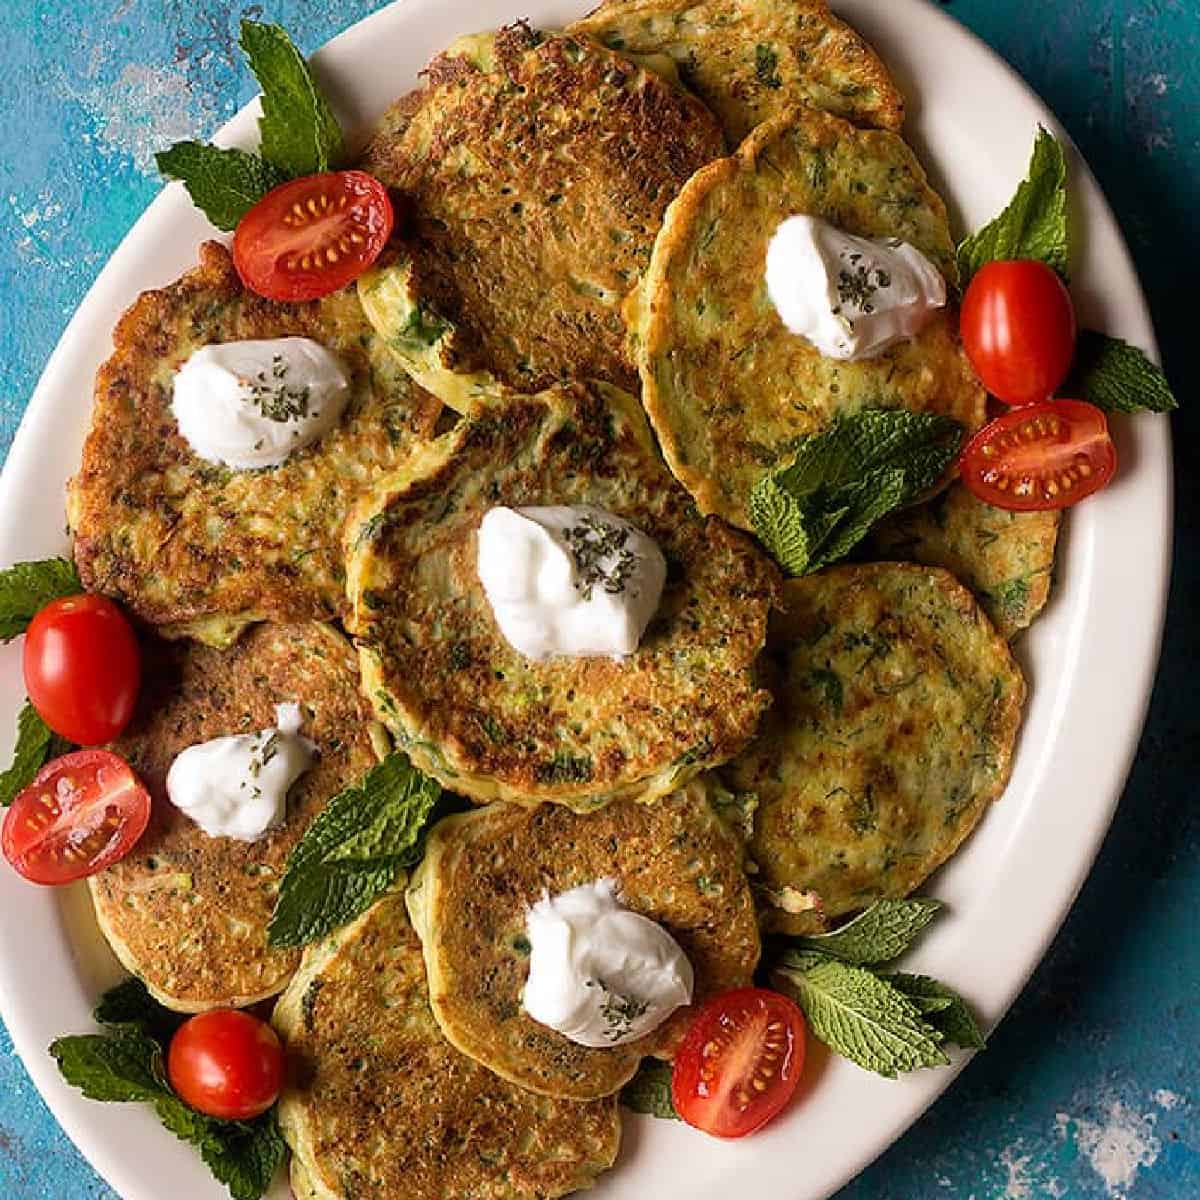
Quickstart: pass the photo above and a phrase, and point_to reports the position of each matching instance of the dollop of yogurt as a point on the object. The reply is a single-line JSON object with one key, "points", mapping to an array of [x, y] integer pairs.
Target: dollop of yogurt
{"points": [[237, 786], [851, 297], [569, 579], [598, 973], [250, 404]]}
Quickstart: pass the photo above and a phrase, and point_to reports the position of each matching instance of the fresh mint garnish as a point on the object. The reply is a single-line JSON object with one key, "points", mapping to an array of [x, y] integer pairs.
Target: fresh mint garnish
{"points": [[1117, 377], [300, 133], [36, 745], [845, 479], [886, 1023], [126, 1064], [1034, 225], [649, 1091], [352, 852], [223, 184], [27, 587]]}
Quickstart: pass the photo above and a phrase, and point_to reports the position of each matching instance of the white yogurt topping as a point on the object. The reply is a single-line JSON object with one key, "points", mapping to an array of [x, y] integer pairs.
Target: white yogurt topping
{"points": [[569, 580], [237, 786], [598, 973], [250, 404], [851, 297]]}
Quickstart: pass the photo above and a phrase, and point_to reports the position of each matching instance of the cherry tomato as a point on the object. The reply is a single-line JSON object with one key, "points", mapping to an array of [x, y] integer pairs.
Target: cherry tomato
{"points": [[312, 236], [1018, 329], [82, 668], [82, 813], [739, 1062], [227, 1064], [1041, 456]]}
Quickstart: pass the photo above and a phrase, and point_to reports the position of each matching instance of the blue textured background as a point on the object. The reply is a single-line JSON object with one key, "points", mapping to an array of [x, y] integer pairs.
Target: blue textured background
{"points": [[1091, 1086]]}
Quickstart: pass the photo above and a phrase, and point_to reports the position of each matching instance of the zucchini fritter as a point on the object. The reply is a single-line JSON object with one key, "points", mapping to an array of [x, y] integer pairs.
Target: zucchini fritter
{"points": [[895, 718], [675, 862], [728, 387], [379, 1105], [187, 912], [195, 546], [537, 168], [1005, 558], [748, 59], [493, 725]]}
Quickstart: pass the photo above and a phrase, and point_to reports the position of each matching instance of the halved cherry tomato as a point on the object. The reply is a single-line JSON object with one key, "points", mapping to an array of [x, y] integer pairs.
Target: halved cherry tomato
{"points": [[82, 813], [226, 1063], [1041, 456], [1018, 329], [82, 668], [312, 236], [739, 1063]]}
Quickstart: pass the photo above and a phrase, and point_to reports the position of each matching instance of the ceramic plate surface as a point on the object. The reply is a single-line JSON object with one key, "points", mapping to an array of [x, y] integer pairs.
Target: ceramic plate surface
{"points": [[1090, 659]]}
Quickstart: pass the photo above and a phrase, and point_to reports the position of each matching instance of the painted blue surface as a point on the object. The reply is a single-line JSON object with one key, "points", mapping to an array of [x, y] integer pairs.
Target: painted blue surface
{"points": [[1091, 1087]]}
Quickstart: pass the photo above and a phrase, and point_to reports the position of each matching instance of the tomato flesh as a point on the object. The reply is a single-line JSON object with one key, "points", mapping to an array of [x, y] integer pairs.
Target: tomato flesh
{"points": [[226, 1063], [1042, 456], [313, 236], [739, 1062], [82, 668], [82, 813], [1018, 330]]}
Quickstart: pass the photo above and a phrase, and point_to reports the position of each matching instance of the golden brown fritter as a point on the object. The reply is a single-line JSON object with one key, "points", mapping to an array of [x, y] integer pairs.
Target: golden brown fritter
{"points": [[491, 724], [379, 1106], [674, 861], [537, 168], [895, 720], [187, 912], [198, 547], [749, 59]]}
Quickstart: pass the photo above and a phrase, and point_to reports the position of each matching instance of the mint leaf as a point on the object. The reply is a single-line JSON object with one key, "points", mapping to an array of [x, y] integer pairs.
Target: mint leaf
{"points": [[1034, 225], [27, 587], [1117, 377], [126, 1064], [846, 478], [35, 746], [300, 133], [120, 1067], [649, 1091], [883, 932], [223, 184], [352, 851], [946, 1009], [129, 1006], [860, 1016]]}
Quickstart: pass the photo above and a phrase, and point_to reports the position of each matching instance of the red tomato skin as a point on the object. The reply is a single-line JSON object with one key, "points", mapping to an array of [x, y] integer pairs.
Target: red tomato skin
{"points": [[28, 834], [271, 240], [83, 668], [1018, 329], [226, 1064], [1074, 430], [700, 1102]]}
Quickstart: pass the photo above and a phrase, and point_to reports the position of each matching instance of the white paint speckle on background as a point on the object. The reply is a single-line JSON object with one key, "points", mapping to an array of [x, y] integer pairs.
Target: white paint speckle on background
{"points": [[1017, 1184], [1117, 1147], [1168, 1100]]}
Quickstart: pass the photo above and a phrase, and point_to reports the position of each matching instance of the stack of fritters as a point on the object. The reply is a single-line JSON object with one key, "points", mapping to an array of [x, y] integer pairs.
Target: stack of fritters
{"points": [[586, 216]]}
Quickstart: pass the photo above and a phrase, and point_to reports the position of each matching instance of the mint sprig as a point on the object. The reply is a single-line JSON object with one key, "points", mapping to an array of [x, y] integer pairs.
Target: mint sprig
{"points": [[1034, 224], [886, 1023], [1117, 377], [649, 1091], [298, 131], [27, 587], [224, 184], [126, 1064], [352, 852], [845, 479], [36, 745]]}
